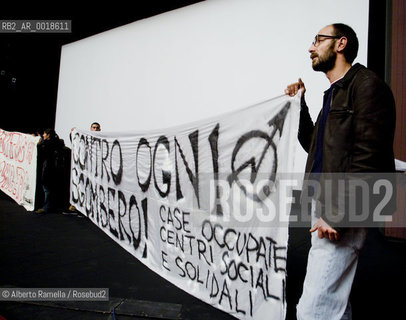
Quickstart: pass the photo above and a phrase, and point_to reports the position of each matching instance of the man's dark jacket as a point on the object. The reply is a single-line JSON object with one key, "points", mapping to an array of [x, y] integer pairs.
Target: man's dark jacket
{"points": [[358, 136], [48, 152]]}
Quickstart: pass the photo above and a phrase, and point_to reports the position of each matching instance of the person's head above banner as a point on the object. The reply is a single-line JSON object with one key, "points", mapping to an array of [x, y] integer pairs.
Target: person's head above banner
{"points": [[95, 126]]}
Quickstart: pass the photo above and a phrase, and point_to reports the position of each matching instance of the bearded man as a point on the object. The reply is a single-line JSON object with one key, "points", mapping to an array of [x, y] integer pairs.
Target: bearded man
{"points": [[353, 134]]}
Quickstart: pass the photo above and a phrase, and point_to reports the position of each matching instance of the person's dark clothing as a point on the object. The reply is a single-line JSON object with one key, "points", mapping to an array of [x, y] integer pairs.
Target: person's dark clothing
{"points": [[318, 154], [47, 150], [358, 130], [49, 172]]}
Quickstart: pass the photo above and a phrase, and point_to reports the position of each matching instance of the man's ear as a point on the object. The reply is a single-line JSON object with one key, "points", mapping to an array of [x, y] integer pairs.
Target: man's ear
{"points": [[342, 43]]}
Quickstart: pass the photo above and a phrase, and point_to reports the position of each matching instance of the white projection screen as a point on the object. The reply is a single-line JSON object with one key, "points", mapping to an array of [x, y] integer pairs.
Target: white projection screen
{"points": [[198, 62]]}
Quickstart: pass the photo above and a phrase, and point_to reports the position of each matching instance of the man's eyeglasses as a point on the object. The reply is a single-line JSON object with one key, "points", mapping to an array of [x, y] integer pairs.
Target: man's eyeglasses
{"points": [[317, 39]]}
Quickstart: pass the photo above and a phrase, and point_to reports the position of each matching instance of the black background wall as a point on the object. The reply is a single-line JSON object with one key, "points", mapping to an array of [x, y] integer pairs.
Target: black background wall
{"points": [[29, 63]]}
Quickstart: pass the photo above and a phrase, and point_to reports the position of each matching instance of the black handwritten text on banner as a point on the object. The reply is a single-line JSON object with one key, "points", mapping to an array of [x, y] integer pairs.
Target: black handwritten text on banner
{"points": [[199, 204]]}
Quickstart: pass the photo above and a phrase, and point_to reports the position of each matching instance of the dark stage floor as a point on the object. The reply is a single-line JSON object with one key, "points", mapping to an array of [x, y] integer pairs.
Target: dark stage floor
{"points": [[59, 251]]}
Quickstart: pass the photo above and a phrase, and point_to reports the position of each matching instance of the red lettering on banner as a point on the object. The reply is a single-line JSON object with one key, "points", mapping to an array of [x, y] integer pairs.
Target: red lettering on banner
{"points": [[13, 180], [16, 146]]}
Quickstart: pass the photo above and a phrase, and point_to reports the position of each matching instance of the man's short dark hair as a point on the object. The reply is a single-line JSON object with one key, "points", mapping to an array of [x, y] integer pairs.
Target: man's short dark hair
{"points": [[351, 50], [51, 132]]}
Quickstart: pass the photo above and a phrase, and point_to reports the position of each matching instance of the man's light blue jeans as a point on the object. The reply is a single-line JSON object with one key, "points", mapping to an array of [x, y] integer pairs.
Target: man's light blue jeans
{"points": [[330, 272]]}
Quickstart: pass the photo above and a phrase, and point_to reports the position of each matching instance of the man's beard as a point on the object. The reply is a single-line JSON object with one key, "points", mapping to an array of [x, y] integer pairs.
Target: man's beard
{"points": [[325, 62]]}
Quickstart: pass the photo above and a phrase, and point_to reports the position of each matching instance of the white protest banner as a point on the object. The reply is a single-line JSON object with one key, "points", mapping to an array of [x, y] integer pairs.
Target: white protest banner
{"points": [[200, 204], [18, 167]]}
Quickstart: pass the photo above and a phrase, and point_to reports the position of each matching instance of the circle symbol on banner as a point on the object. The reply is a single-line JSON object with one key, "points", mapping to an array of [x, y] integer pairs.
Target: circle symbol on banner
{"points": [[263, 163]]}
